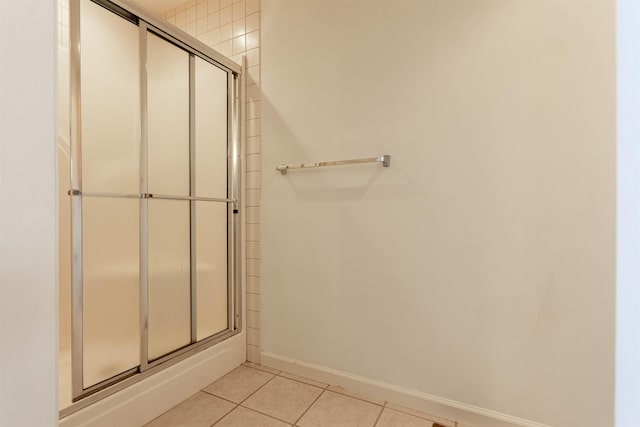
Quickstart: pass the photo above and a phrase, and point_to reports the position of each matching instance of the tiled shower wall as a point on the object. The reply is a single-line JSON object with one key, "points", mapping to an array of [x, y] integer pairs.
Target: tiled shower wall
{"points": [[232, 27]]}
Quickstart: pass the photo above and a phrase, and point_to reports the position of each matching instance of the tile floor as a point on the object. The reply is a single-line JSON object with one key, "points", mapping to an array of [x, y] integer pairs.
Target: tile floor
{"points": [[253, 395]]}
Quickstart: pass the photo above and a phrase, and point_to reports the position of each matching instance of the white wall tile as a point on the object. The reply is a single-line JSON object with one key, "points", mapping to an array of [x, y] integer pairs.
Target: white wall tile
{"points": [[253, 197], [225, 47], [253, 108], [253, 250], [253, 73], [213, 20], [253, 284], [253, 319], [201, 26], [253, 336], [254, 179], [226, 15], [253, 127], [253, 267], [238, 27], [214, 36], [254, 145], [253, 302], [201, 9], [253, 39], [253, 57], [225, 32], [254, 162], [238, 45], [191, 28], [181, 19], [191, 14], [213, 6], [253, 354], [253, 22], [253, 215], [253, 232], [252, 6], [238, 10]]}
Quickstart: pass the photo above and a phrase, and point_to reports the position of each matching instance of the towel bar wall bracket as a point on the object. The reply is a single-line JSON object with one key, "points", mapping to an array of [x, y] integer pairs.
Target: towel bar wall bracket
{"points": [[385, 160]]}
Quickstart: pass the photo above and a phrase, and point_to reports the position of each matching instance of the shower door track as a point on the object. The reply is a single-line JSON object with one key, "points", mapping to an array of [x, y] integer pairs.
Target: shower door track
{"points": [[83, 397]]}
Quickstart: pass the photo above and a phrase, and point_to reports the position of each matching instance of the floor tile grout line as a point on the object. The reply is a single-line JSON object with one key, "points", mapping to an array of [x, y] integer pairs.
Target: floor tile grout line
{"points": [[257, 390], [422, 416], [225, 415], [358, 398], [302, 382], [379, 416], [310, 406], [219, 397], [266, 415]]}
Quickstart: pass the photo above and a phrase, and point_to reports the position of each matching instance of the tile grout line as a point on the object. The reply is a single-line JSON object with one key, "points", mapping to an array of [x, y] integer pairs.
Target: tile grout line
{"points": [[326, 387], [384, 405], [310, 406], [380, 415], [266, 415], [225, 415], [241, 402], [291, 379], [257, 390]]}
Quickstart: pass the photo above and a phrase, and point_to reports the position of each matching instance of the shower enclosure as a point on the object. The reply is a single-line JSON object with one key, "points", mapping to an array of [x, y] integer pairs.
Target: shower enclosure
{"points": [[149, 198]]}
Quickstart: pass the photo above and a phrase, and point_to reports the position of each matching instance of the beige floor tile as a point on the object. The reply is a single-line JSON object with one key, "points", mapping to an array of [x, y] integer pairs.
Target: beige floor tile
{"points": [[303, 380], [238, 384], [284, 399], [435, 419], [333, 409], [391, 418], [342, 390], [243, 417], [200, 410]]}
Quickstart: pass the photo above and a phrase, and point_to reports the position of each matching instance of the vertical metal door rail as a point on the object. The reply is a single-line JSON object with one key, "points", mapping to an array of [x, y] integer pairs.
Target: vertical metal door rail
{"points": [[231, 208], [76, 202], [238, 132], [144, 202], [192, 192]]}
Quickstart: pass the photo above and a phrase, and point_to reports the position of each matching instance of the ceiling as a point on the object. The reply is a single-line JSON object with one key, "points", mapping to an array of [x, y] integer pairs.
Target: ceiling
{"points": [[159, 6]]}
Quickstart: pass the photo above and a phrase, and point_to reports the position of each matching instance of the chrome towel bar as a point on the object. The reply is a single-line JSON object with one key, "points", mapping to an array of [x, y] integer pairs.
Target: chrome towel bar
{"points": [[385, 160]]}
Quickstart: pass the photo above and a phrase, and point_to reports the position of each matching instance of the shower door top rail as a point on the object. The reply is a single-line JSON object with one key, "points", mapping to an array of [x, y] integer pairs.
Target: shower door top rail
{"points": [[384, 159]]}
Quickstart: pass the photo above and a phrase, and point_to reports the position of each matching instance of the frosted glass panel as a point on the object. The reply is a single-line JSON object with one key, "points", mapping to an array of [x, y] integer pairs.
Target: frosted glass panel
{"points": [[169, 276], [168, 106], [111, 296], [110, 101], [211, 268], [211, 130]]}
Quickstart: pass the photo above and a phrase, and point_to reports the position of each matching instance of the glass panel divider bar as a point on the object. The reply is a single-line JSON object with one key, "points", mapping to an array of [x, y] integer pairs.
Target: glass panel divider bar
{"points": [[76, 202], [231, 210], [192, 192], [238, 127], [144, 202]]}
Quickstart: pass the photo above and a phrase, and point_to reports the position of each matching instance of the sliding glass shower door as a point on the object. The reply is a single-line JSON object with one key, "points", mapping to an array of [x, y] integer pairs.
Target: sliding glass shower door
{"points": [[154, 196]]}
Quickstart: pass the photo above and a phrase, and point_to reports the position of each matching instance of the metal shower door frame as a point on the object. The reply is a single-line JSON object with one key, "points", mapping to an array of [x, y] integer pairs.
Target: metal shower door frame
{"points": [[235, 82]]}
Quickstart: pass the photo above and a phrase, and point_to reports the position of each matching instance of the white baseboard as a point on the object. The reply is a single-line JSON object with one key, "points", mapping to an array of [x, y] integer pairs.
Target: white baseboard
{"points": [[141, 402], [461, 413]]}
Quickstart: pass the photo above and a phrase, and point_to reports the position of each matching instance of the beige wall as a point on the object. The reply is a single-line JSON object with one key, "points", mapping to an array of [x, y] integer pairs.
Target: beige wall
{"points": [[232, 27], [480, 267]]}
